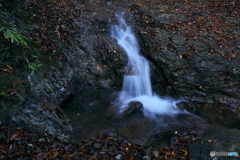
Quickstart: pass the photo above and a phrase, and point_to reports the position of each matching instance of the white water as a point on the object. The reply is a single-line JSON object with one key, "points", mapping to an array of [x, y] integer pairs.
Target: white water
{"points": [[136, 83]]}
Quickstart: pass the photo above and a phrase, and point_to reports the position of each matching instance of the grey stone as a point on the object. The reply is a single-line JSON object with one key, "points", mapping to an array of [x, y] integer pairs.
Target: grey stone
{"points": [[97, 145], [119, 157], [146, 158]]}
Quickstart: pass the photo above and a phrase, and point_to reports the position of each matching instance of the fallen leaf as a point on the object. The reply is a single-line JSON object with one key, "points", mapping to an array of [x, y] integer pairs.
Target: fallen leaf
{"points": [[168, 153], [182, 157], [91, 157], [8, 70], [20, 81], [54, 155], [10, 148], [8, 66], [3, 151], [184, 152], [161, 149], [28, 118], [14, 136]]}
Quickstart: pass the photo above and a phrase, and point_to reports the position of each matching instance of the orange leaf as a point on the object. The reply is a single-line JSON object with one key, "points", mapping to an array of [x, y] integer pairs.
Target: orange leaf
{"points": [[91, 157], [132, 157], [161, 149], [8, 66], [20, 81], [46, 155], [70, 155]]}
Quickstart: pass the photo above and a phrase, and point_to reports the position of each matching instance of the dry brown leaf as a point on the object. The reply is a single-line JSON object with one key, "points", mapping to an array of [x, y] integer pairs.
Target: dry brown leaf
{"points": [[14, 136], [8, 66], [54, 155]]}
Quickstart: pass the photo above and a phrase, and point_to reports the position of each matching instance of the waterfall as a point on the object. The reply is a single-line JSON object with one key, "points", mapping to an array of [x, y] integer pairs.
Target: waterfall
{"points": [[136, 82], [137, 79]]}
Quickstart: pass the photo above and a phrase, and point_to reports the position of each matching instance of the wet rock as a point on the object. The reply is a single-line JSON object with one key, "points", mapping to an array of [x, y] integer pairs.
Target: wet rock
{"points": [[218, 139], [133, 107]]}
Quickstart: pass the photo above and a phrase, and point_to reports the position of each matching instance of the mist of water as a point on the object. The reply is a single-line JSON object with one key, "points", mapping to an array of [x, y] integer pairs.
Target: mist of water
{"points": [[136, 82]]}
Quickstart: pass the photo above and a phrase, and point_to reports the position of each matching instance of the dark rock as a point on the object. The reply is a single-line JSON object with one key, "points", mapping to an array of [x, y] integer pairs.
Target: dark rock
{"points": [[34, 137], [86, 59], [97, 145], [218, 139], [186, 66], [133, 107]]}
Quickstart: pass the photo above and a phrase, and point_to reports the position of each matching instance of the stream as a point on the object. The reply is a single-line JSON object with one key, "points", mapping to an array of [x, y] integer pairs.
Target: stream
{"points": [[91, 112]]}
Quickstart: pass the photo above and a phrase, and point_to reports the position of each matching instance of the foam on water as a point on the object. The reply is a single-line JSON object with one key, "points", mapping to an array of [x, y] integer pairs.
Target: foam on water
{"points": [[136, 82]]}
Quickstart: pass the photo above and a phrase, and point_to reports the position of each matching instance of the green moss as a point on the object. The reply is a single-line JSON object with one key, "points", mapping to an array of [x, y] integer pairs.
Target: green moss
{"points": [[50, 2], [8, 83], [30, 16]]}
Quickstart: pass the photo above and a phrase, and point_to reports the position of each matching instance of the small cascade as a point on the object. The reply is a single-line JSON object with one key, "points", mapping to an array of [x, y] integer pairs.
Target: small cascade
{"points": [[137, 79], [136, 82]]}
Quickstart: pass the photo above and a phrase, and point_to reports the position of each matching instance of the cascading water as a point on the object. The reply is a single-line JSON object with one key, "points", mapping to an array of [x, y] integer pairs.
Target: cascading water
{"points": [[137, 79], [136, 83]]}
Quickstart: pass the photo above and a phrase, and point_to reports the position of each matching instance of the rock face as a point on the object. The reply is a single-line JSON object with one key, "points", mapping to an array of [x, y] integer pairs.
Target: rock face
{"points": [[85, 57], [193, 66], [76, 50]]}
